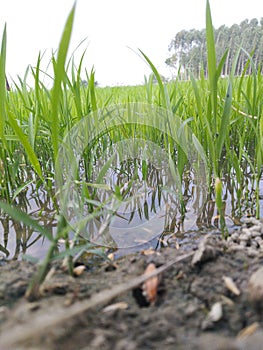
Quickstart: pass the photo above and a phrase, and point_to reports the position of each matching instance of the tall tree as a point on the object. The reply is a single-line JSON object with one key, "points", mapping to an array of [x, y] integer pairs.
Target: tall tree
{"points": [[188, 48]]}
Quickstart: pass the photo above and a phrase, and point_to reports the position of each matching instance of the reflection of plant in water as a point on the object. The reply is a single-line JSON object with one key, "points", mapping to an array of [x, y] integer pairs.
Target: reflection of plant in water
{"points": [[142, 190], [16, 236]]}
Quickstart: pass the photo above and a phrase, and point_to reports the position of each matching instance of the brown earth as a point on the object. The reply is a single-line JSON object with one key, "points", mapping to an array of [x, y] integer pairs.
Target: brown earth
{"points": [[210, 299]]}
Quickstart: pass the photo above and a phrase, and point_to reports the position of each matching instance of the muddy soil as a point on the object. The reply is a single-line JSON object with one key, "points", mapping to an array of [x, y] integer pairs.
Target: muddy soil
{"points": [[210, 299]]}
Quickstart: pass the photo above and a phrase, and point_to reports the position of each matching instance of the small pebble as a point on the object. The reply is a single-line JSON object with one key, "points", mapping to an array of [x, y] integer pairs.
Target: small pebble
{"points": [[235, 237], [254, 244], [256, 228], [230, 284], [236, 248], [246, 232], [243, 244], [243, 238], [214, 315], [250, 221], [255, 234], [252, 253]]}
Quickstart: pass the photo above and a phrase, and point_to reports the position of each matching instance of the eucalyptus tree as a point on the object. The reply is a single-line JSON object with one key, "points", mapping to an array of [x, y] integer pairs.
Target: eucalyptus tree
{"points": [[188, 48]]}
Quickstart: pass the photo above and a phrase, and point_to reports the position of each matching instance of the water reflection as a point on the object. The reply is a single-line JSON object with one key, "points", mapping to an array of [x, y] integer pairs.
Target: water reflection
{"points": [[17, 239], [156, 205]]}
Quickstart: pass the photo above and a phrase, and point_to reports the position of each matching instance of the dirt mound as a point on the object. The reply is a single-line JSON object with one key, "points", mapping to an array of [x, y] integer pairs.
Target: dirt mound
{"points": [[210, 297]]}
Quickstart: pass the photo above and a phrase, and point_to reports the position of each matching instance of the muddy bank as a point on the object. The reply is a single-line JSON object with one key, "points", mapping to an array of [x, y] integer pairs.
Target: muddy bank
{"points": [[212, 298]]}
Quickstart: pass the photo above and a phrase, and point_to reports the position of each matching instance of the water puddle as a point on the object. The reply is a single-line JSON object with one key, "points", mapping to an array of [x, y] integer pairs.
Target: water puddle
{"points": [[148, 216]]}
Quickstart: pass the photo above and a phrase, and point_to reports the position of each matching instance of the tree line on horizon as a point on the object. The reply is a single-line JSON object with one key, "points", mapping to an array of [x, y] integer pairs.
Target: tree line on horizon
{"points": [[188, 49]]}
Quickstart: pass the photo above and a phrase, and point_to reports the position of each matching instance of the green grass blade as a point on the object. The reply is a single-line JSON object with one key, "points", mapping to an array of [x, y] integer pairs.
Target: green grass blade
{"points": [[2, 87], [165, 102], [211, 61], [261, 136], [59, 67], [200, 150], [25, 143], [92, 90], [220, 206], [21, 189], [26, 219], [221, 65], [225, 120], [105, 168], [197, 96]]}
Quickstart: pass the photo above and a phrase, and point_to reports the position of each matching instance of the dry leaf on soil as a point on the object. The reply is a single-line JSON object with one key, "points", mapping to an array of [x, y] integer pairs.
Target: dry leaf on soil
{"points": [[151, 285], [248, 331], [148, 252]]}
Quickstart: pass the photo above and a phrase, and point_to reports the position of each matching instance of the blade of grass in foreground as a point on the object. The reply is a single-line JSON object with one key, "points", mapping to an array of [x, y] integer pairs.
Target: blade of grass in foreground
{"points": [[4, 174], [225, 120], [59, 70], [2, 86], [24, 141], [261, 136], [165, 99], [211, 62], [32, 292], [26, 219]]}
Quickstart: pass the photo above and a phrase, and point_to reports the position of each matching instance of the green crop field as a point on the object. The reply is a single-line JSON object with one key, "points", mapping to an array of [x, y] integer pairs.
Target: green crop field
{"points": [[222, 114]]}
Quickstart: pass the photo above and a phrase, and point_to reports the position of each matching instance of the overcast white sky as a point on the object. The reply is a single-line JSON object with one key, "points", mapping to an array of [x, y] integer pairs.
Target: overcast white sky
{"points": [[111, 26]]}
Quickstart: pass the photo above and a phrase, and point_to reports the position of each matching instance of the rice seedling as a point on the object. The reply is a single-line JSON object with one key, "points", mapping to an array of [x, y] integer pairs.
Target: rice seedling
{"points": [[212, 124]]}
